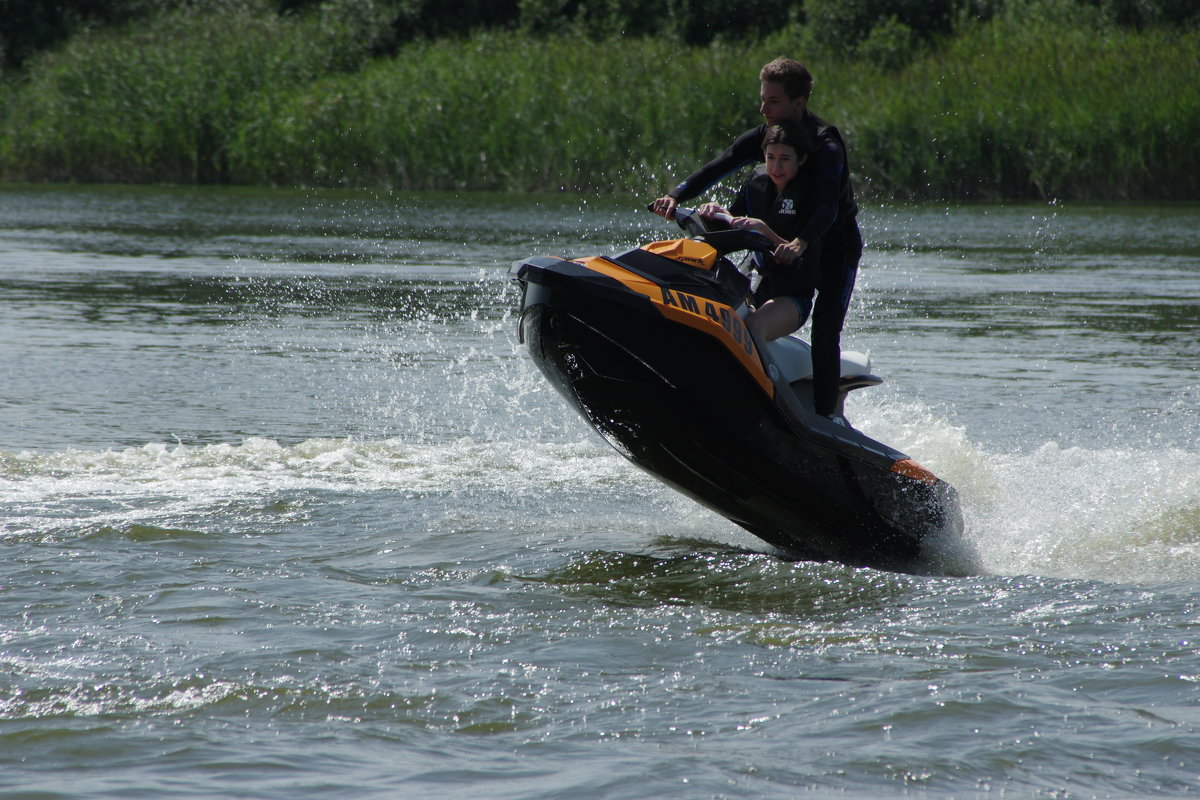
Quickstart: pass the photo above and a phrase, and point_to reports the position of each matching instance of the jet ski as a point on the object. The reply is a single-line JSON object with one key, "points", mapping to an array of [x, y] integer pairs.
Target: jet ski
{"points": [[650, 346]]}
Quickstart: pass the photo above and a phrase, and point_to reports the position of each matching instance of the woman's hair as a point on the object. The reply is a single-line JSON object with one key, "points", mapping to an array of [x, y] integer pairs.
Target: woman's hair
{"points": [[797, 135], [795, 78]]}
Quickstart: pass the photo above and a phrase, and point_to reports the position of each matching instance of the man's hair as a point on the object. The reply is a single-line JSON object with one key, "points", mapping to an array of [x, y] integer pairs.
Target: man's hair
{"points": [[795, 78], [796, 135]]}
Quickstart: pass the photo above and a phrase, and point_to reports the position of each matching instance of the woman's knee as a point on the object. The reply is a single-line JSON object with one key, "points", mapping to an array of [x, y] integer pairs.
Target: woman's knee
{"points": [[774, 319]]}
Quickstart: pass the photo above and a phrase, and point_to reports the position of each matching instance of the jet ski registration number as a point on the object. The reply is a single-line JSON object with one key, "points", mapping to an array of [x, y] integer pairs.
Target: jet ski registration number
{"points": [[719, 314]]}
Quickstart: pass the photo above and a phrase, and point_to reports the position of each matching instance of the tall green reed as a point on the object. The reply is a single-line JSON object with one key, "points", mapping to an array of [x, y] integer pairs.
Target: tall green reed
{"points": [[502, 111], [1064, 108], [160, 102], [1055, 106]]}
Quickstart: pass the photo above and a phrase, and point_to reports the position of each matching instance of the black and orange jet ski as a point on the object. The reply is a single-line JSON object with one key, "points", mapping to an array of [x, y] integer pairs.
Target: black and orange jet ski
{"points": [[649, 345]]}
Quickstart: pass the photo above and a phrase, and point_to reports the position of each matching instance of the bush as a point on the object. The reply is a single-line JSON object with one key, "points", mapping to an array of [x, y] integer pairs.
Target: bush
{"points": [[890, 45], [162, 102], [1048, 99], [566, 112], [1060, 110], [30, 26], [691, 22], [844, 24], [1142, 14]]}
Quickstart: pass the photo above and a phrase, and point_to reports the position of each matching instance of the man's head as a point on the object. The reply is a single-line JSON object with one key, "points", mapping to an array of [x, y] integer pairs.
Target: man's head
{"points": [[786, 86]]}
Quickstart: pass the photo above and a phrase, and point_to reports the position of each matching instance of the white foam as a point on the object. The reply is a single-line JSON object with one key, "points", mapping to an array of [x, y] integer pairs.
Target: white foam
{"points": [[319, 463], [1120, 514], [39, 491]]}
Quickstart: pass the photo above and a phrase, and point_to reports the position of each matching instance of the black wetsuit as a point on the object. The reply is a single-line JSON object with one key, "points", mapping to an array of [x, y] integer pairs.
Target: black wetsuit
{"points": [[833, 223]]}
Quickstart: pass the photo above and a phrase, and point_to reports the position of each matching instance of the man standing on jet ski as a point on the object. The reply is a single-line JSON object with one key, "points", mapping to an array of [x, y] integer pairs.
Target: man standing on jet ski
{"points": [[785, 88]]}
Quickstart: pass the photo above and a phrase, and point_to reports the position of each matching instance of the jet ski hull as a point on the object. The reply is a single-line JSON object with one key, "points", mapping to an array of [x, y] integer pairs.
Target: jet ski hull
{"points": [[673, 399]]}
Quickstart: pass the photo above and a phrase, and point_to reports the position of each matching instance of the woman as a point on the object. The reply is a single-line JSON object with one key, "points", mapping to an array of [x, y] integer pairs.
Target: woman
{"points": [[801, 200], [778, 202]]}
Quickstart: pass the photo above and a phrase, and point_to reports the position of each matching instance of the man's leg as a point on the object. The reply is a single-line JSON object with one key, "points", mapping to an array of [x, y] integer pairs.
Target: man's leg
{"points": [[839, 269]]}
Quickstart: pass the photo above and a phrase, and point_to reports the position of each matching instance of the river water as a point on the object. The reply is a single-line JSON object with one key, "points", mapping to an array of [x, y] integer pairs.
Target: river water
{"points": [[287, 513]]}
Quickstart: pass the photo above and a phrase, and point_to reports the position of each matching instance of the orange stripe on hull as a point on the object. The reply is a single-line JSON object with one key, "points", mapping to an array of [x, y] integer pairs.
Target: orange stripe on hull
{"points": [[715, 319], [911, 469]]}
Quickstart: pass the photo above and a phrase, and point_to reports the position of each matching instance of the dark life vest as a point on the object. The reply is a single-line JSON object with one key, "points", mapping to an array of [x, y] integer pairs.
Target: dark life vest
{"points": [[787, 213]]}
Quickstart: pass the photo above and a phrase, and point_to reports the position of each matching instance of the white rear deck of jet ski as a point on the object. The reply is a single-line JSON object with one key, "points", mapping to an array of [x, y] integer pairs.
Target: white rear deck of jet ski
{"points": [[793, 357]]}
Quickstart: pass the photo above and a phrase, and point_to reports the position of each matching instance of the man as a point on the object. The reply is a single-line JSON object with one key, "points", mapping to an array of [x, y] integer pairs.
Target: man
{"points": [[785, 87]]}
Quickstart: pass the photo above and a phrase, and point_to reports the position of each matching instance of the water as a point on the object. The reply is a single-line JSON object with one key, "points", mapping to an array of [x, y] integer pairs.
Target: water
{"points": [[286, 513]]}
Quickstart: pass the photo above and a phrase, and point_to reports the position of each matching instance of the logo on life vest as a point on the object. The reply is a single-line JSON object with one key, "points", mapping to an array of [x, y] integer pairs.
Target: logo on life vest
{"points": [[787, 206]]}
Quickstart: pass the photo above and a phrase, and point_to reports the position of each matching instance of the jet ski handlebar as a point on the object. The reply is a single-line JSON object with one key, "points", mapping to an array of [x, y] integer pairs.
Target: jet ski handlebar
{"points": [[725, 240]]}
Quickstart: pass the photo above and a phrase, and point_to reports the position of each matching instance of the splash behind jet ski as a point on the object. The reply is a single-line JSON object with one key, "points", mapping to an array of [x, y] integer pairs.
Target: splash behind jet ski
{"points": [[651, 347]]}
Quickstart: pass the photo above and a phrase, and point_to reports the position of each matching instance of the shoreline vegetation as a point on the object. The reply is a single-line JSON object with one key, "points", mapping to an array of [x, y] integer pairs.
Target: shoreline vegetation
{"points": [[1035, 99]]}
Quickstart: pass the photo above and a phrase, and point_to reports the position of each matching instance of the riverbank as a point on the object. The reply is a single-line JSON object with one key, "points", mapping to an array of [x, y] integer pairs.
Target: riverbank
{"points": [[1009, 109]]}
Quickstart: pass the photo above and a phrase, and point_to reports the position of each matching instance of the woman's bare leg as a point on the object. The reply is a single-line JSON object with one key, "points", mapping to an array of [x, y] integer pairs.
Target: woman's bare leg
{"points": [[773, 319]]}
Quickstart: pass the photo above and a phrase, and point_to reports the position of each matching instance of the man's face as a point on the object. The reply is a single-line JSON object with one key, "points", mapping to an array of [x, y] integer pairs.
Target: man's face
{"points": [[775, 105]]}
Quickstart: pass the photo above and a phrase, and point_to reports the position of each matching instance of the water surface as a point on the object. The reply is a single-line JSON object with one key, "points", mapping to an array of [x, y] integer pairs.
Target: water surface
{"points": [[286, 512]]}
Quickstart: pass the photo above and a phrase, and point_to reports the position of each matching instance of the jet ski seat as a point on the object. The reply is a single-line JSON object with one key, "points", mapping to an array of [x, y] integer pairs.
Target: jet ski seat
{"points": [[793, 357]]}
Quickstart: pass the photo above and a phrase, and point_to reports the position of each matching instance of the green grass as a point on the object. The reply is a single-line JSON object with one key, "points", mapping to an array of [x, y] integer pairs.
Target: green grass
{"points": [[1055, 106], [162, 102], [1068, 111], [501, 112]]}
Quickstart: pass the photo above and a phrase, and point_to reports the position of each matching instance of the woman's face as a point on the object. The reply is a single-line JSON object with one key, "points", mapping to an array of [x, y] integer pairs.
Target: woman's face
{"points": [[782, 163]]}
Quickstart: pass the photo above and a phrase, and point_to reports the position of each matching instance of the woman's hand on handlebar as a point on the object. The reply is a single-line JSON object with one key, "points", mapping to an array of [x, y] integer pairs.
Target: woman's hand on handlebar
{"points": [[753, 224], [714, 211]]}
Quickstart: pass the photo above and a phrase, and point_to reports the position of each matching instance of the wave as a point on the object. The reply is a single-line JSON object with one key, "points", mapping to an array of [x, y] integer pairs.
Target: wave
{"points": [[181, 486], [260, 462], [1120, 514]]}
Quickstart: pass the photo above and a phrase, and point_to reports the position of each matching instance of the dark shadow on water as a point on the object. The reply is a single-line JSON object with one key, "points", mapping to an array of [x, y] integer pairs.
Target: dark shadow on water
{"points": [[727, 579]]}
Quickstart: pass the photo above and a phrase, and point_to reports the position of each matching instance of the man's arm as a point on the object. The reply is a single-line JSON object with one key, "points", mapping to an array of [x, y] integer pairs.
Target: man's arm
{"points": [[828, 164], [746, 149]]}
